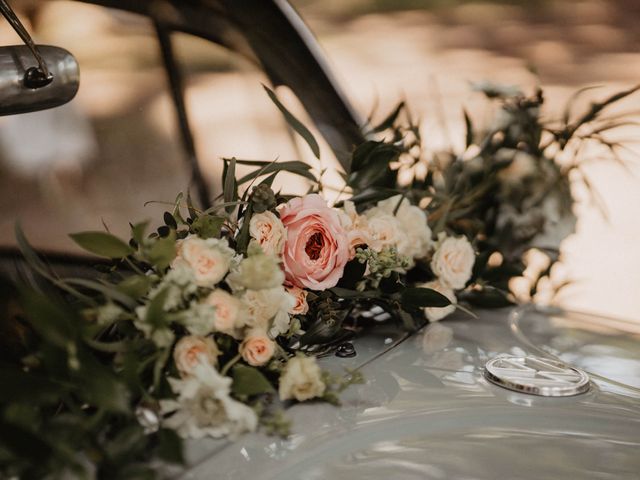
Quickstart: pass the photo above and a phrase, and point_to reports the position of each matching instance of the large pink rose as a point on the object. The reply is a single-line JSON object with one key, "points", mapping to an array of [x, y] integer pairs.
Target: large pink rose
{"points": [[317, 246]]}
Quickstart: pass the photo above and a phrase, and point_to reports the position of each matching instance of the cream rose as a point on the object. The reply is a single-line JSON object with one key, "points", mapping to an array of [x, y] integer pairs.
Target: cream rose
{"points": [[267, 309], [394, 222], [433, 314], [209, 259], [226, 312], [301, 379], [193, 350], [453, 261], [257, 348], [268, 231], [300, 297]]}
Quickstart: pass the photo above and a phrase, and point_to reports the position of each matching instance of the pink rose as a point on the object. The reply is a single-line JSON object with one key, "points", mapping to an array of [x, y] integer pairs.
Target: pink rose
{"points": [[257, 349], [193, 350], [300, 295], [317, 246]]}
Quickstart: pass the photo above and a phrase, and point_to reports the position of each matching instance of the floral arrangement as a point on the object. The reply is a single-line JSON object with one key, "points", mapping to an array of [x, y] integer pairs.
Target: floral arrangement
{"points": [[210, 323]]}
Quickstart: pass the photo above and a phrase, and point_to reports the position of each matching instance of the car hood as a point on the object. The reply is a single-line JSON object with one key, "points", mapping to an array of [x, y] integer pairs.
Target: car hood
{"points": [[426, 410]]}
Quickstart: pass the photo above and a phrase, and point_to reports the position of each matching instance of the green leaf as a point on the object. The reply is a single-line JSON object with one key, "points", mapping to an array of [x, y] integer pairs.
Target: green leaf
{"points": [[155, 312], [419, 297], [230, 187], [242, 239], [249, 381], [170, 446], [292, 166], [170, 221], [51, 321], [468, 128], [109, 291], [370, 165], [163, 251], [102, 243], [138, 230], [135, 286], [296, 124], [207, 226], [28, 387]]}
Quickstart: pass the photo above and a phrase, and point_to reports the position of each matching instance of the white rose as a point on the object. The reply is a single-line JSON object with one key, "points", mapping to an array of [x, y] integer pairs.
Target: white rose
{"points": [[209, 259], [406, 229], [384, 229], [300, 297], [301, 379], [257, 348], [227, 310], [257, 272], [269, 232], [453, 261], [192, 350], [433, 314], [204, 407], [268, 308]]}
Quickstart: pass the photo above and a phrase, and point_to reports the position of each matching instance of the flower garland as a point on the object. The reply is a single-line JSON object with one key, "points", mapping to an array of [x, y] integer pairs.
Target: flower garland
{"points": [[207, 325]]}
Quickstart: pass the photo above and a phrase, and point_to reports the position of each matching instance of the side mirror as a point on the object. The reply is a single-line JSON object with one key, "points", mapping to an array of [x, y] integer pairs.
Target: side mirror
{"points": [[24, 89]]}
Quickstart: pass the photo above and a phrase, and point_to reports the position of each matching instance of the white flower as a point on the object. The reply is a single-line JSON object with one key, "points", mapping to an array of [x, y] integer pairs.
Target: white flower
{"points": [[433, 314], [453, 261], [257, 348], [299, 295], [161, 336], [199, 318], [256, 272], [209, 259], [301, 379], [226, 313], [193, 350], [269, 231], [268, 309], [179, 282], [406, 229], [204, 407]]}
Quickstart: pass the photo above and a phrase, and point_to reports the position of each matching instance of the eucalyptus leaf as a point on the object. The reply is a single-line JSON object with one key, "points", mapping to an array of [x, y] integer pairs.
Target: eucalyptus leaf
{"points": [[296, 124], [162, 251], [249, 381], [102, 243], [207, 226]]}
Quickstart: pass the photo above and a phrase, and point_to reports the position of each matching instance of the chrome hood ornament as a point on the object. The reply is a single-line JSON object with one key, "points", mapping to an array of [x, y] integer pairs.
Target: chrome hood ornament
{"points": [[536, 376]]}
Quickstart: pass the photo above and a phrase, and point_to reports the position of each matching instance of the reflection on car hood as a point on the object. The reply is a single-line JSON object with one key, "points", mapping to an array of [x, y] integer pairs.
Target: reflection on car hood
{"points": [[426, 412]]}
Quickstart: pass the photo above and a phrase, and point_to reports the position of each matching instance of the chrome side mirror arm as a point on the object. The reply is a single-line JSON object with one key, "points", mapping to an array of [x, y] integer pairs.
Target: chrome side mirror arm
{"points": [[25, 87]]}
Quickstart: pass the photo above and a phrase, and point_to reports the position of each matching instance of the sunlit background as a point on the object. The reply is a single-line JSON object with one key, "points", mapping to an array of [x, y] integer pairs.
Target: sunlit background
{"points": [[99, 159]]}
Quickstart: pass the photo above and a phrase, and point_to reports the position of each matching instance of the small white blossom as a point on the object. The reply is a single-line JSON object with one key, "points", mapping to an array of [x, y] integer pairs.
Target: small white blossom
{"points": [[301, 379], [204, 407], [256, 272]]}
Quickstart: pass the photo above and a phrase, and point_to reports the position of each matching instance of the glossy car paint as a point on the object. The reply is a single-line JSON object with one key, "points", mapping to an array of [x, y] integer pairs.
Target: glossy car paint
{"points": [[426, 412]]}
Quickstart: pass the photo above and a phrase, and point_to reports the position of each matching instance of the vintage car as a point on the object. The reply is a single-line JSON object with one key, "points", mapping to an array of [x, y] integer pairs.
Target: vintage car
{"points": [[521, 392]]}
